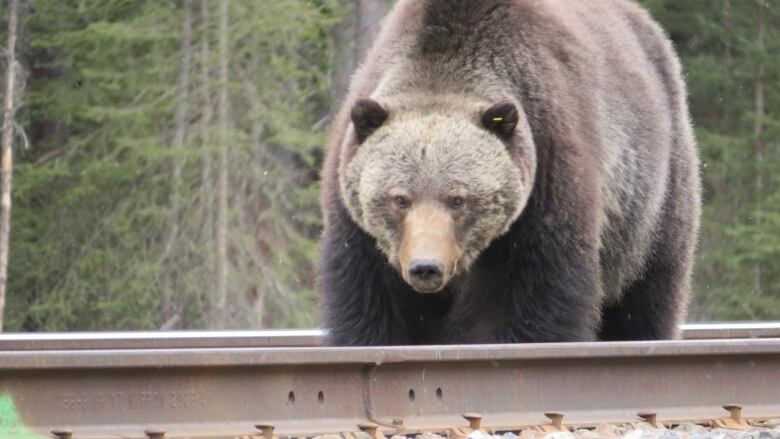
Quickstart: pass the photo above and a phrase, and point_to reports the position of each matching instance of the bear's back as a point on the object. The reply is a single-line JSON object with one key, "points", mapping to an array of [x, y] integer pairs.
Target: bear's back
{"points": [[602, 72]]}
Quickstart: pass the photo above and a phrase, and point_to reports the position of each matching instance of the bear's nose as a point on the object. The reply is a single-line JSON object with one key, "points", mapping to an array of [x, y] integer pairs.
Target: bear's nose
{"points": [[427, 271]]}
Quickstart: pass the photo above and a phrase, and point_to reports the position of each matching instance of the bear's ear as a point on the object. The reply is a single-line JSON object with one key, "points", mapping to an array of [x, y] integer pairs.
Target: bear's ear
{"points": [[367, 116], [501, 119]]}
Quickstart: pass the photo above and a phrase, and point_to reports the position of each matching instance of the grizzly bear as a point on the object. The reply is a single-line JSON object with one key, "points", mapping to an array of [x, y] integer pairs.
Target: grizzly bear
{"points": [[510, 171]]}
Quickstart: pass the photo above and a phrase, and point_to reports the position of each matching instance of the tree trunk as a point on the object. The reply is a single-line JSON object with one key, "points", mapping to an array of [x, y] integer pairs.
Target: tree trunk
{"points": [[353, 36], [207, 187], [728, 23], [223, 192], [344, 36], [256, 288], [7, 156], [370, 14], [182, 109], [758, 132]]}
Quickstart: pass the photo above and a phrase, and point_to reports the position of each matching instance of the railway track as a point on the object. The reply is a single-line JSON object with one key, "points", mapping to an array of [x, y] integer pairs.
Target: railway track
{"points": [[239, 384]]}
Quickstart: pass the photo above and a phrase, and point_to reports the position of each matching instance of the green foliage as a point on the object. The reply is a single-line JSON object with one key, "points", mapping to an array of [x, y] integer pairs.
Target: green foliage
{"points": [[94, 210], [718, 42]]}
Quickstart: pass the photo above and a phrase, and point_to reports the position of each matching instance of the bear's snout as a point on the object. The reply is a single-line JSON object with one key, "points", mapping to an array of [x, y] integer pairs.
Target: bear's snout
{"points": [[429, 251], [426, 275]]}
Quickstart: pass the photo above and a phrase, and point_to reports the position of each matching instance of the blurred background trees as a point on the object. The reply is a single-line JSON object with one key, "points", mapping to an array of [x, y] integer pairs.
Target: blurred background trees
{"points": [[731, 55], [167, 157], [171, 176]]}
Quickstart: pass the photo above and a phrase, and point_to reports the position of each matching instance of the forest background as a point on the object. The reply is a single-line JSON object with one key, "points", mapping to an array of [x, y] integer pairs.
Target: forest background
{"points": [[166, 156]]}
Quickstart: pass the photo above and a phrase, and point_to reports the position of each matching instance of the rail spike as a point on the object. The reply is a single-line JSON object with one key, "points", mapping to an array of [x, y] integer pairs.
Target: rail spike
{"points": [[734, 421], [556, 423], [62, 433], [155, 433], [267, 429], [371, 429], [650, 417]]}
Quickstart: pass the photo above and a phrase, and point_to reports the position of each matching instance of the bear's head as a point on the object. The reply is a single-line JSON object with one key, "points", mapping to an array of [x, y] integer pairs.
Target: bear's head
{"points": [[436, 185]]}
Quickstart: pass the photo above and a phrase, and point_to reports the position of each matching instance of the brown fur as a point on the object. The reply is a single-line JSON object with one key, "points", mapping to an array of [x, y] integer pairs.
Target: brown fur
{"points": [[607, 174], [429, 234]]}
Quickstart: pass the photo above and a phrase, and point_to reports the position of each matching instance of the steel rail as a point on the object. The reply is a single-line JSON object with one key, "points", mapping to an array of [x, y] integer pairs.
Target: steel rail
{"points": [[289, 338], [725, 330], [159, 339], [224, 392]]}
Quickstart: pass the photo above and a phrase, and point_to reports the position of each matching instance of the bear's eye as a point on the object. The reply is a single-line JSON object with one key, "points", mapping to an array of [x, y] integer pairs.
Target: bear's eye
{"points": [[401, 202], [456, 203]]}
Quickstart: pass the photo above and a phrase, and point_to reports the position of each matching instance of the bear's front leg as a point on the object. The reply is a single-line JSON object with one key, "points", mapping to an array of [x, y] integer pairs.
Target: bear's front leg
{"points": [[364, 301], [536, 285], [357, 307]]}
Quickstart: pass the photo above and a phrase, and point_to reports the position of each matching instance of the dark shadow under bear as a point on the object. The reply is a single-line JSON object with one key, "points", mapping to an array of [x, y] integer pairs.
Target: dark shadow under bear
{"points": [[603, 246]]}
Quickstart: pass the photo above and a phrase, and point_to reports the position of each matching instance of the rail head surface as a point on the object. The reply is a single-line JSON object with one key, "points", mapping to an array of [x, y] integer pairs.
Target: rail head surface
{"points": [[288, 338], [721, 330], [159, 339]]}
